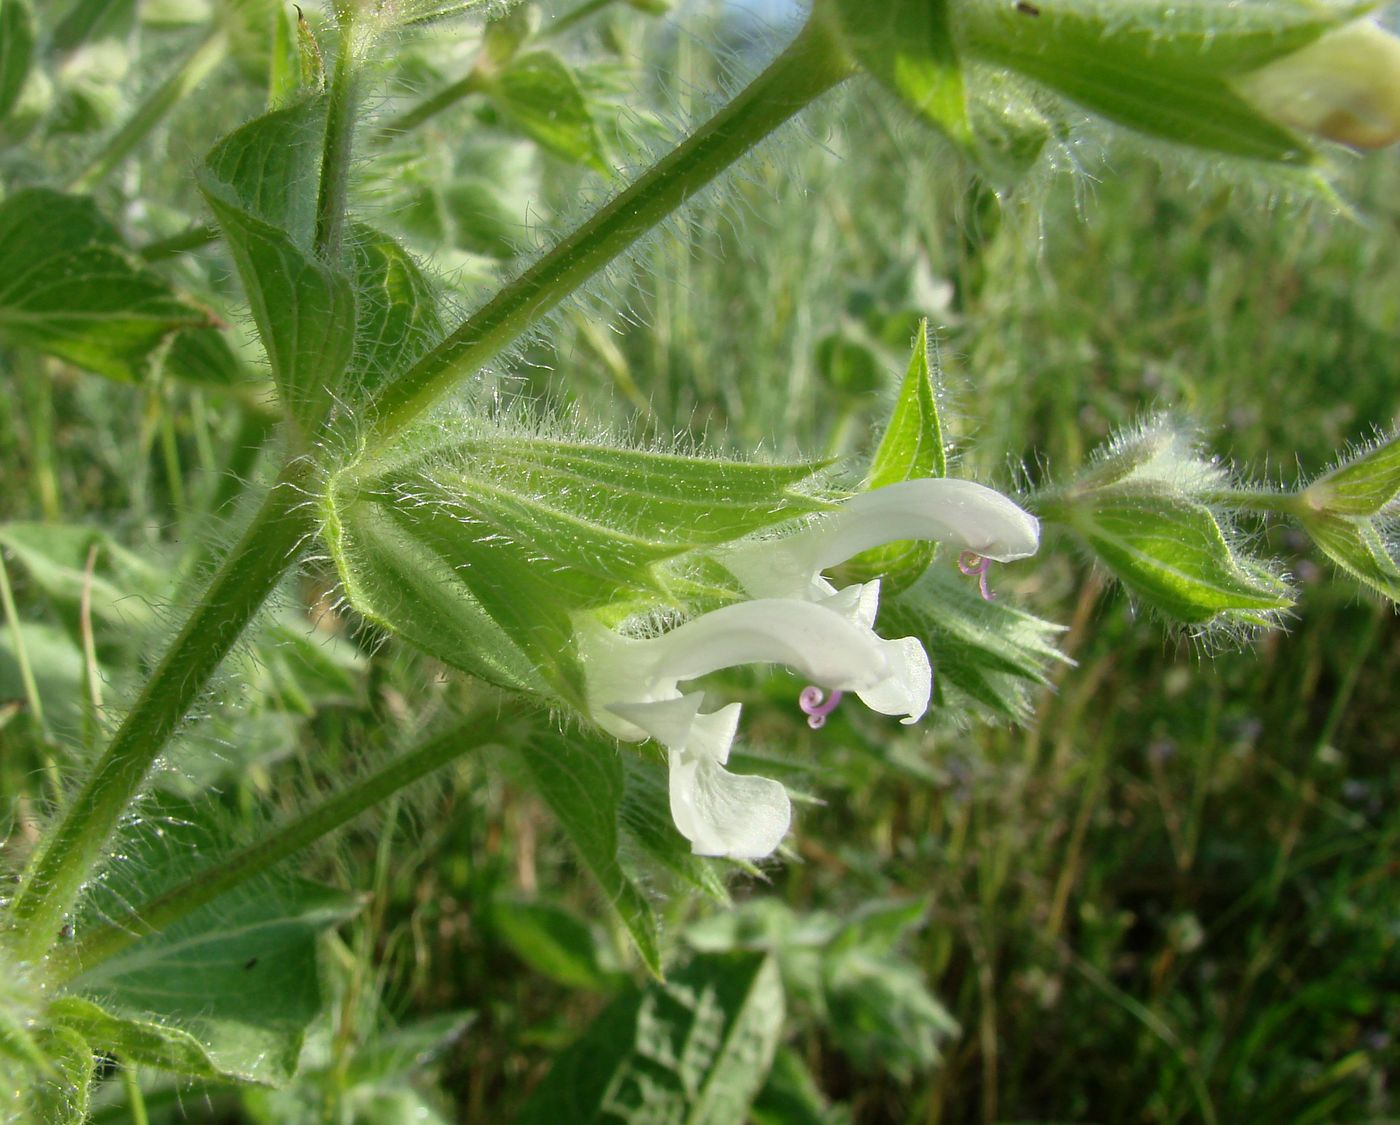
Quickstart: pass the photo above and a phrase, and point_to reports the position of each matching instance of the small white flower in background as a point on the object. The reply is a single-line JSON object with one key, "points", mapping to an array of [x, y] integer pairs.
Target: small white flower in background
{"points": [[797, 619]]}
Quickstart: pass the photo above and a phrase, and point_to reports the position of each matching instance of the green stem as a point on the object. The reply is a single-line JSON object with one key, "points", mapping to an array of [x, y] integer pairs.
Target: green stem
{"points": [[193, 238], [249, 574], [135, 1102], [471, 733], [335, 156], [430, 107], [1255, 500], [810, 66], [196, 67]]}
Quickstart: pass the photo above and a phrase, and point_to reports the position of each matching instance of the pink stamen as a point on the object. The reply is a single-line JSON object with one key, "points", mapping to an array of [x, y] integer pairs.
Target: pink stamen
{"points": [[816, 706], [970, 563]]}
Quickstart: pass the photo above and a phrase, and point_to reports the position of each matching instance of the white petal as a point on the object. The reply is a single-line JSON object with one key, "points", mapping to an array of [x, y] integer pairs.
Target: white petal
{"points": [[726, 814], [859, 602], [678, 725], [817, 643], [907, 689], [959, 512]]}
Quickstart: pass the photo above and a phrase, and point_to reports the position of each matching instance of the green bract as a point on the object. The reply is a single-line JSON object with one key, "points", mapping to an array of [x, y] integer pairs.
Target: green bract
{"points": [[1144, 509], [479, 543], [912, 447]]}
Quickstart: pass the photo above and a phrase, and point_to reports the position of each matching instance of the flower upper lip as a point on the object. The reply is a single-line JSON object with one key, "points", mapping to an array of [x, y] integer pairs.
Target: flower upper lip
{"points": [[960, 512]]}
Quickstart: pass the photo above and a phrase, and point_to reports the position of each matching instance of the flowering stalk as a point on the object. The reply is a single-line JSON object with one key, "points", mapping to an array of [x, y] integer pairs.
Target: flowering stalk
{"points": [[811, 65]]}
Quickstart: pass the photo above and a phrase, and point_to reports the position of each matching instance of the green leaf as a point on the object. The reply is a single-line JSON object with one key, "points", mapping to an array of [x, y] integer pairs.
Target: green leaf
{"points": [[16, 50], [552, 941], [791, 1096], [540, 94], [581, 779], [1361, 486], [912, 447], [398, 313], [504, 536], [986, 655], [57, 664], [1359, 548], [261, 184], [140, 1041], [1161, 67], [909, 48], [407, 1050], [691, 1051], [1169, 550], [69, 288], [239, 975], [55, 557]]}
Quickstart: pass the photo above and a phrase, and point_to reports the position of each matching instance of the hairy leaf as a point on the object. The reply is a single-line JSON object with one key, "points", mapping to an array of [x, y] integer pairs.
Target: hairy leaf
{"points": [[1359, 548], [690, 1051], [581, 779], [261, 184], [68, 287]]}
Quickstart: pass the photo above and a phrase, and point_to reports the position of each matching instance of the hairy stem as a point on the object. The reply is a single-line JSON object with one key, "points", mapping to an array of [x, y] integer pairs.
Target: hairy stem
{"points": [[469, 734], [810, 66], [335, 155], [1256, 500], [70, 849]]}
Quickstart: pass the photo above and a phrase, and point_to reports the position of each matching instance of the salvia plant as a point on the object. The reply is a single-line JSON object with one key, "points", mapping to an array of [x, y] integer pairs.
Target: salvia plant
{"points": [[600, 593]]}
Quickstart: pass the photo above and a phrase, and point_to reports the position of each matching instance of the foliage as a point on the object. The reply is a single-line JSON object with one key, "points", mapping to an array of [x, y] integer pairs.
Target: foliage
{"points": [[287, 531]]}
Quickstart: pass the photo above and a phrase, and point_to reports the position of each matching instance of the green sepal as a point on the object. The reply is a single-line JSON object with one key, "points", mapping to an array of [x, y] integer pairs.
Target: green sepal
{"points": [[912, 447], [1161, 67], [1359, 548], [260, 182], [1170, 551], [506, 536], [70, 288], [989, 655], [1361, 486]]}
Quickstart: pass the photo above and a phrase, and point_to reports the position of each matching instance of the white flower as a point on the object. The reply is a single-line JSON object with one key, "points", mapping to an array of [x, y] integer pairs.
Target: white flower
{"points": [[634, 693], [797, 619], [968, 515]]}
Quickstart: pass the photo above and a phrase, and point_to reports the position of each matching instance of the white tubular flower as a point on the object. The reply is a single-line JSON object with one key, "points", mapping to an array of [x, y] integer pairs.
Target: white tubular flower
{"points": [[634, 693], [797, 619], [968, 515]]}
